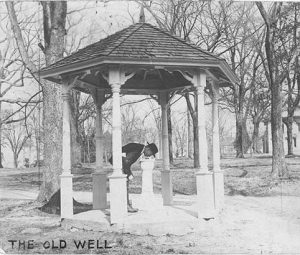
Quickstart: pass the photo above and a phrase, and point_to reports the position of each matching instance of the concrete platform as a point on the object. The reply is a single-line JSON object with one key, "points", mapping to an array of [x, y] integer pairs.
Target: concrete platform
{"points": [[178, 219]]}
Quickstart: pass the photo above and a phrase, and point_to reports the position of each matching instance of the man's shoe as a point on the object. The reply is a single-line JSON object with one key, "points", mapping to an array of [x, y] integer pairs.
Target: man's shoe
{"points": [[130, 209]]}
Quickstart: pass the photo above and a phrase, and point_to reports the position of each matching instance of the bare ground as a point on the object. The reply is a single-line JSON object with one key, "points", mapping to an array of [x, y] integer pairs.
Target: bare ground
{"points": [[260, 216]]}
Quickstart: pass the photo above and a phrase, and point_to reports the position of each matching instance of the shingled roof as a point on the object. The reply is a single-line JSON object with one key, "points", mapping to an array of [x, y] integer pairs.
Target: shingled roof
{"points": [[139, 43]]}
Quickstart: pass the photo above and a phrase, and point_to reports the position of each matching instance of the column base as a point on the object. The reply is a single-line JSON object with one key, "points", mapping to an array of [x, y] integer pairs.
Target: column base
{"points": [[66, 195], [118, 198], [167, 187], [218, 179], [205, 195], [99, 190]]}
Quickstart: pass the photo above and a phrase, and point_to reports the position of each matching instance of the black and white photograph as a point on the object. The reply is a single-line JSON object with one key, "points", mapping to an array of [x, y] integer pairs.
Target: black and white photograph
{"points": [[149, 127]]}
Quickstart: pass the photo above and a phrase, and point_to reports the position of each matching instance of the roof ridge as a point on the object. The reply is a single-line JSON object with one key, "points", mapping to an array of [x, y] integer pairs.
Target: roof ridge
{"points": [[183, 41], [130, 34]]}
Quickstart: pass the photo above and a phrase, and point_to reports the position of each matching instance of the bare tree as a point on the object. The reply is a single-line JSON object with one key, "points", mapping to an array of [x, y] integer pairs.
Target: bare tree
{"points": [[54, 19], [289, 41], [192, 109], [12, 76], [180, 134], [276, 67], [34, 123], [228, 29], [243, 56], [16, 137], [132, 127], [260, 113]]}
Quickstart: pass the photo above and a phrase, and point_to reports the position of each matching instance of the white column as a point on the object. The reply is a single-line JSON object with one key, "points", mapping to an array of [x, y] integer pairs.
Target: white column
{"points": [[203, 159], [99, 129], [100, 175], [204, 179], [218, 174], [166, 178], [66, 188], [117, 181]]}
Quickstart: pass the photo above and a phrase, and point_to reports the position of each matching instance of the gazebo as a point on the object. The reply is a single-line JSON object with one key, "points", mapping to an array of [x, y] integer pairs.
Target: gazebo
{"points": [[141, 60]]}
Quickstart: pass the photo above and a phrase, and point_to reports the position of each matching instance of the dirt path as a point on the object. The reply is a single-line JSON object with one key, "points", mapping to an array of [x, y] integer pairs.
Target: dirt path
{"points": [[247, 225], [18, 194], [271, 224]]}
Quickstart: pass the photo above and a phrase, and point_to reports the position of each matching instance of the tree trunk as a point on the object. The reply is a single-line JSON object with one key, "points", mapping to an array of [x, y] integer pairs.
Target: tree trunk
{"points": [[38, 149], [289, 131], [54, 18], [15, 159], [88, 150], [189, 135], [170, 135], [196, 143], [267, 146], [291, 106], [195, 130], [75, 145], [239, 137], [1, 75], [37, 134], [279, 168], [255, 136], [75, 137], [275, 79], [1, 166]]}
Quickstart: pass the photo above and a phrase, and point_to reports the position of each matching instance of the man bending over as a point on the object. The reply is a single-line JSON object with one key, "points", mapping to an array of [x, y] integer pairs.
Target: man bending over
{"points": [[132, 152]]}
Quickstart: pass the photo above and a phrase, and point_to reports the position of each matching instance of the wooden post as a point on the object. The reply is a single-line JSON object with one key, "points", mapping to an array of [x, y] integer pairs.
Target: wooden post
{"points": [[66, 188], [218, 174], [100, 176], [204, 180], [166, 179], [117, 181]]}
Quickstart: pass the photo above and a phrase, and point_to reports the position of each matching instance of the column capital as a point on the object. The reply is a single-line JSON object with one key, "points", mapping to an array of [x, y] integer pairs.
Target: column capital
{"points": [[117, 76], [115, 87], [199, 79], [199, 90], [66, 92], [66, 96]]}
